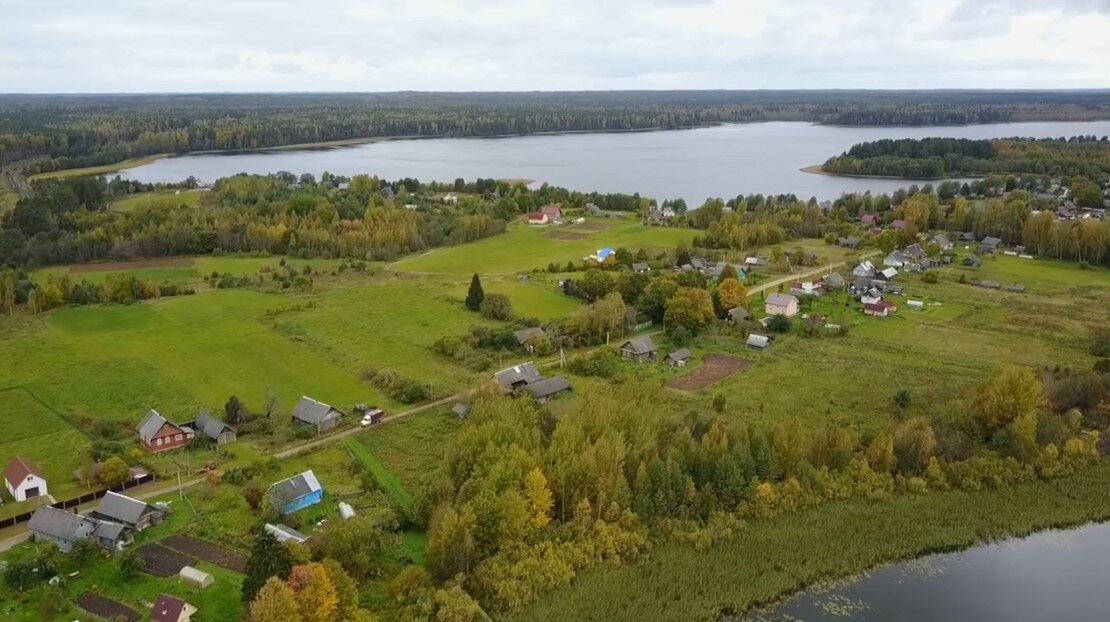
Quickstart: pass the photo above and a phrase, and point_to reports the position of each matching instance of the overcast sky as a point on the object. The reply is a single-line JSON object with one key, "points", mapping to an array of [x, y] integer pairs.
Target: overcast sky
{"points": [[387, 45]]}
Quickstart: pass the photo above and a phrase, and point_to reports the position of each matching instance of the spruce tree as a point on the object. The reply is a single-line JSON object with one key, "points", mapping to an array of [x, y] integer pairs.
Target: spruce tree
{"points": [[269, 558], [475, 296]]}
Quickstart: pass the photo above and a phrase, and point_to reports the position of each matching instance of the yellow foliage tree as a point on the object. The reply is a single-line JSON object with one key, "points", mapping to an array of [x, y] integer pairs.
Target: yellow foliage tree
{"points": [[732, 293], [275, 602], [540, 500], [314, 593]]}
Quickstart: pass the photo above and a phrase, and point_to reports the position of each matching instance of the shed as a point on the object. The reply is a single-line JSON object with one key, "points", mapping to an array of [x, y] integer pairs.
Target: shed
{"points": [[171, 609], [678, 358], [214, 429], [640, 349], [739, 314], [524, 336], [295, 493], [317, 414], [543, 390], [640, 267], [284, 533], [194, 577]]}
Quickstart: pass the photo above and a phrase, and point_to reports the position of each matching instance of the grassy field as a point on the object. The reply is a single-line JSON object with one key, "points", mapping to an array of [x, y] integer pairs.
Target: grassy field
{"points": [[95, 170], [32, 430], [180, 270], [766, 560], [523, 248], [185, 198]]}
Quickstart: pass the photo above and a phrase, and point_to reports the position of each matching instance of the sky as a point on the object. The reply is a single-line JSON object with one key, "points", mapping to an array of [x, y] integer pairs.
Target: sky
{"points": [[51, 46]]}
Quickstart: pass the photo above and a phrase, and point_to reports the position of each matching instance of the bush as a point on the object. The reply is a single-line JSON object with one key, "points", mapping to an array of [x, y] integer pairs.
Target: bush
{"points": [[778, 324], [603, 364], [496, 307], [398, 386], [929, 277]]}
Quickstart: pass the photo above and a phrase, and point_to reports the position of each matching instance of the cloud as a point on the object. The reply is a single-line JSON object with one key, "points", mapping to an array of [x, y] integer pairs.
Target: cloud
{"points": [[356, 45]]}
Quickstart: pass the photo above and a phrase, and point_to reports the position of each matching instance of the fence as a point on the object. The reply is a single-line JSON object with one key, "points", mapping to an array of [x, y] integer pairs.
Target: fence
{"points": [[76, 501]]}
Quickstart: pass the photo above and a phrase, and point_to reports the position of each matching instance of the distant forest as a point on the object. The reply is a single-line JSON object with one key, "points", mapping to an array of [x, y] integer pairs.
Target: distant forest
{"points": [[934, 158], [54, 132]]}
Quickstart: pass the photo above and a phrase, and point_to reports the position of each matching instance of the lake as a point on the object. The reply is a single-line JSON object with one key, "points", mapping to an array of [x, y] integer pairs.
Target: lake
{"points": [[722, 161], [1052, 575]]}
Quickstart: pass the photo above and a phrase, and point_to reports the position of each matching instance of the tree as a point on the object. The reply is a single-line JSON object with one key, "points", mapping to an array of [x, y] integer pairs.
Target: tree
{"points": [[475, 295], [733, 293], [1014, 393], [114, 471], [496, 307], [357, 544], [597, 284], [268, 559], [234, 411], [539, 497], [314, 593], [131, 563], [778, 324], [275, 603], [690, 308], [346, 590], [729, 272]]}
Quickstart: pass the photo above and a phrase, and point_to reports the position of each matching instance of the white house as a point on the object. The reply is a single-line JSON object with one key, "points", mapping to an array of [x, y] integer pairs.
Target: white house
{"points": [[24, 479]]}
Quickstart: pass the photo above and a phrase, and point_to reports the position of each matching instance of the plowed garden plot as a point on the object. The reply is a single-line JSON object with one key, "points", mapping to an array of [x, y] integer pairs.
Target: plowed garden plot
{"points": [[114, 266], [207, 551], [162, 561], [568, 235], [106, 608], [714, 367]]}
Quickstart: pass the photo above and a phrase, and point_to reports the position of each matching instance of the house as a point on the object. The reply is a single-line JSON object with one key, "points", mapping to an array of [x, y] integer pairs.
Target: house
{"points": [[834, 280], [869, 219], [807, 288], [914, 251], [848, 242], [158, 434], [640, 349], [678, 358], [739, 314], [755, 261], [893, 290], [641, 268], [864, 269], [316, 414], [537, 218], [343, 185], [131, 513], [871, 296], [24, 479], [886, 274], [989, 245], [552, 212], [214, 429], [973, 261], [781, 304], [759, 342], [600, 256], [284, 533], [547, 388], [387, 192], [517, 376], [295, 493], [878, 309], [967, 236], [195, 578], [942, 241], [524, 337], [171, 609], [460, 410], [65, 529], [894, 260], [699, 264]]}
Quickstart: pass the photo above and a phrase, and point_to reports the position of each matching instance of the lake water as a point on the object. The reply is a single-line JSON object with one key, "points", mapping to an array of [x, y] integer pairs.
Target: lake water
{"points": [[722, 161], [1057, 576]]}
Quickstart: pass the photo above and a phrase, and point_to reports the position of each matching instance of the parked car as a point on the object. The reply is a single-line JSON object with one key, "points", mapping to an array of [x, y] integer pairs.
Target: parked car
{"points": [[370, 414]]}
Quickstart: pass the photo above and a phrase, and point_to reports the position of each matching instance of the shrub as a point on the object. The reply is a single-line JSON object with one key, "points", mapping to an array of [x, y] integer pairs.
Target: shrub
{"points": [[399, 387], [496, 307], [929, 277], [778, 324], [603, 364]]}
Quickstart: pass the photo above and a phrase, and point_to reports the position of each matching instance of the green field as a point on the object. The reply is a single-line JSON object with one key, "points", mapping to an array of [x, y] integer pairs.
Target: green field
{"points": [[181, 270], [524, 248], [32, 430], [95, 170], [185, 198]]}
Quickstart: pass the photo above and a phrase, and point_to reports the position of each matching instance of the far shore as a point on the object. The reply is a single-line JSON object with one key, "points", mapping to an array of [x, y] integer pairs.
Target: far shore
{"points": [[817, 170]]}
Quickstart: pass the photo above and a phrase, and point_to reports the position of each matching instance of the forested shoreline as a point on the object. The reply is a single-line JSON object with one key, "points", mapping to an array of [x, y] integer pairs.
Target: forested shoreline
{"points": [[57, 132], [935, 158]]}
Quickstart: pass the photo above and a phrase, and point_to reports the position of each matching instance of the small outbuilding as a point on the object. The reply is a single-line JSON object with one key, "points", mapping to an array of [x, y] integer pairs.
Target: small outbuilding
{"points": [[543, 390], [759, 342], [739, 314], [317, 414], [195, 577], [678, 358], [640, 349], [24, 479], [171, 609], [214, 429]]}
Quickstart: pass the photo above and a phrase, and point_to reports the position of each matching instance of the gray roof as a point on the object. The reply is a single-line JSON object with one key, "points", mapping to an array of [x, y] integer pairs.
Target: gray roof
{"points": [[120, 508], [640, 267], [680, 354], [285, 532], [210, 426], [739, 313], [1016, 287], [61, 524], [548, 387], [914, 250], [640, 345], [524, 334], [311, 411], [294, 487], [758, 341], [525, 372], [991, 241], [941, 240], [780, 299], [150, 425], [835, 280], [108, 530]]}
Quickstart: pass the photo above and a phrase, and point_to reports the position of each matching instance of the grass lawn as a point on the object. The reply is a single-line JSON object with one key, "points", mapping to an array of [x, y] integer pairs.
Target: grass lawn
{"points": [[524, 248], [409, 449], [184, 198], [32, 430], [538, 298]]}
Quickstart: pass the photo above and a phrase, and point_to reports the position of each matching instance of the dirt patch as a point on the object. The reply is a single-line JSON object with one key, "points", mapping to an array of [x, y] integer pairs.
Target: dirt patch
{"points": [[563, 234], [207, 551], [115, 266], [714, 367], [162, 561], [106, 608], [594, 225]]}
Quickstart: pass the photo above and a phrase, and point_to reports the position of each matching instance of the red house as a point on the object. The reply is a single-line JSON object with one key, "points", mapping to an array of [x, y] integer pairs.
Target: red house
{"points": [[158, 434], [882, 308], [869, 219], [551, 211]]}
